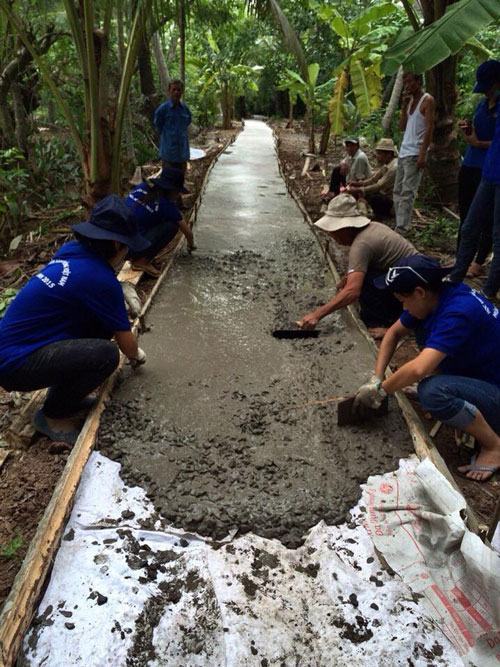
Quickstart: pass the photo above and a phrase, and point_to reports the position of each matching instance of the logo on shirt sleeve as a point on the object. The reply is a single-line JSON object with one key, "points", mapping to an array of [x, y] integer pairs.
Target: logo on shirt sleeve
{"points": [[63, 278]]}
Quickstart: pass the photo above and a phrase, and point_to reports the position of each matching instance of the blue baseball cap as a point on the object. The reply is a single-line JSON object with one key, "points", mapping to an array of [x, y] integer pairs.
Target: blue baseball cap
{"points": [[487, 74], [411, 272], [112, 220]]}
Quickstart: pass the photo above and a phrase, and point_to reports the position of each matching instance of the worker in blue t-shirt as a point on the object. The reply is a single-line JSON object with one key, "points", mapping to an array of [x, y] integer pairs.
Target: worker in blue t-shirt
{"points": [[459, 333], [478, 136], [57, 332], [157, 216], [172, 119], [484, 212]]}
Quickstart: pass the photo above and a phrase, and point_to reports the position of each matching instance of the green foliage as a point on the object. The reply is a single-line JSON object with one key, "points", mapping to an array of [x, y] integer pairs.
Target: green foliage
{"points": [[439, 232], [446, 36], [10, 550], [5, 298], [14, 187]]}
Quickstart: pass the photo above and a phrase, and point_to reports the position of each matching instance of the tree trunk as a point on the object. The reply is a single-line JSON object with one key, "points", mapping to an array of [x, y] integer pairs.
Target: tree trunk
{"points": [[23, 129], [181, 22], [325, 137], [393, 103], [146, 78], [226, 107], [161, 63], [312, 139], [127, 126]]}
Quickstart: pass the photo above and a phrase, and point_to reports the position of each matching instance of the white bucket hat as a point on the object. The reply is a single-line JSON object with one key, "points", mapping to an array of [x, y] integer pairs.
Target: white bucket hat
{"points": [[386, 144], [342, 212]]}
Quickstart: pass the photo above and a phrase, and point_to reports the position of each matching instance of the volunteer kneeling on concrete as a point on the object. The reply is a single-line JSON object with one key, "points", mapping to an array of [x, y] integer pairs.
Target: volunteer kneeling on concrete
{"points": [[459, 332], [373, 249], [157, 216], [56, 333]]}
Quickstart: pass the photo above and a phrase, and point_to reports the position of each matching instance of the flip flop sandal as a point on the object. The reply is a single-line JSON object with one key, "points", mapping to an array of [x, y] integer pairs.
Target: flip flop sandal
{"points": [[149, 270], [41, 425], [474, 467]]}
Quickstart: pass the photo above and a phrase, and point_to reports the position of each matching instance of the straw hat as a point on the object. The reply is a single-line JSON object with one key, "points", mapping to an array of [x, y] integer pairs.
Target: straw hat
{"points": [[342, 212], [386, 144]]}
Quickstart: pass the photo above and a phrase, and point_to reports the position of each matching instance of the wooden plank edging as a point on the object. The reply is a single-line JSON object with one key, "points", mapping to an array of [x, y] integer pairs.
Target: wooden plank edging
{"points": [[19, 607], [424, 447]]}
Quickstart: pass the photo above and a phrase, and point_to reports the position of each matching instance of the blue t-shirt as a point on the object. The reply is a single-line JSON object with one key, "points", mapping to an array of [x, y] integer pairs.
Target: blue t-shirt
{"points": [[466, 327], [149, 214], [172, 122], [484, 125], [77, 295], [491, 166]]}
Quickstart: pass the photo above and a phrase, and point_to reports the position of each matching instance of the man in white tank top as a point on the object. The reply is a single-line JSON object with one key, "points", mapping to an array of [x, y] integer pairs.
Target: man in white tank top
{"points": [[417, 120]]}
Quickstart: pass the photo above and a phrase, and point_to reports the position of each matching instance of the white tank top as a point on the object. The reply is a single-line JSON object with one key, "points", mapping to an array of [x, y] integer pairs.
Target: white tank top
{"points": [[414, 132]]}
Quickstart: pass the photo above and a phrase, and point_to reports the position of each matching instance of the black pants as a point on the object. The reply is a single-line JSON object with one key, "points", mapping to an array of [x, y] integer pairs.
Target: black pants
{"points": [[70, 368], [468, 182], [378, 308], [159, 236], [381, 205], [337, 180]]}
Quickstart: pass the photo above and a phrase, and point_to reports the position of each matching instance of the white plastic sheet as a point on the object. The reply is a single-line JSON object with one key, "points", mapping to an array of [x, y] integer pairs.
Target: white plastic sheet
{"points": [[415, 519], [121, 594]]}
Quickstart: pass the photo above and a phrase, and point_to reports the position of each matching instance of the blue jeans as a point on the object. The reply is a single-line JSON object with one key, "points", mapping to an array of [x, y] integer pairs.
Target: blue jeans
{"points": [[484, 213], [456, 400]]}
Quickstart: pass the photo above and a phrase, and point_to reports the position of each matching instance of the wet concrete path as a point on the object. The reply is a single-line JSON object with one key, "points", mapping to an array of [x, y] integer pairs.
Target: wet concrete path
{"points": [[208, 426]]}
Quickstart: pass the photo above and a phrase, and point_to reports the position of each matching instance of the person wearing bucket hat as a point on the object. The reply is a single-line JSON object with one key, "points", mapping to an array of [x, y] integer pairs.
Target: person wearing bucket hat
{"points": [[478, 135], [373, 248], [153, 206], [484, 211], [57, 332], [377, 189], [458, 367], [353, 167]]}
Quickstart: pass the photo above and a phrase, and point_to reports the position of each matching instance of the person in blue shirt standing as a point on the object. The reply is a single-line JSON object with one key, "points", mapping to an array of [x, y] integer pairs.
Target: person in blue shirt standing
{"points": [[57, 332], [157, 216], [484, 212], [458, 368], [478, 136], [172, 119]]}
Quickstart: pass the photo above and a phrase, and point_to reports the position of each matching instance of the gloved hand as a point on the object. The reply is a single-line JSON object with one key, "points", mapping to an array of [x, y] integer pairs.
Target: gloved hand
{"points": [[132, 300], [140, 360], [370, 395]]}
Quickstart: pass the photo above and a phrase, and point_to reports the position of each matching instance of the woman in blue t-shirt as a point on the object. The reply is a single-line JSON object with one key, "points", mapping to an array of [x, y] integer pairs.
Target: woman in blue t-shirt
{"points": [[478, 136], [157, 216], [458, 368], [57, 332]]}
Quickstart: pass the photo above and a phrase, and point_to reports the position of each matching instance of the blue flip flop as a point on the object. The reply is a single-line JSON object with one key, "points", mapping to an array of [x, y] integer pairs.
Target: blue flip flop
{"points": [[41, 425], [474, 467]]}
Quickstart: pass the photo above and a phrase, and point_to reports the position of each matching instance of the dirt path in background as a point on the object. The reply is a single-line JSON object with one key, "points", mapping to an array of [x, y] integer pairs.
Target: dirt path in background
{"points": [[209, 426]]}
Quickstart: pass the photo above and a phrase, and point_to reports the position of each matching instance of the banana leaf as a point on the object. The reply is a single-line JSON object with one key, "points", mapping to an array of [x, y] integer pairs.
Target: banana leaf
{"points": [[366, 85], [443, 38], [336, 104]]}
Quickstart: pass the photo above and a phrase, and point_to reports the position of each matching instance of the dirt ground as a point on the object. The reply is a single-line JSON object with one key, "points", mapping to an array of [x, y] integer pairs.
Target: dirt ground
{"points": [[216, 426], [290, 144], [30, 473]]}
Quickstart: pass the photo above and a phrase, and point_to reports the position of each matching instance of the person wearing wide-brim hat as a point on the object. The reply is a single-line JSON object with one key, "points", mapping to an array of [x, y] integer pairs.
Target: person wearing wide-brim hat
{"points": [[354, 167], [377, 189], [153, 205], [373, 248], [458, 367], [57, 332]]}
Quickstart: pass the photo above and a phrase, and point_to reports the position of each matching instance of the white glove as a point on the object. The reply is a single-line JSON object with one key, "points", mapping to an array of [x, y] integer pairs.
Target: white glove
{"points": [[132, 300], [140, 360], [371, 394]]}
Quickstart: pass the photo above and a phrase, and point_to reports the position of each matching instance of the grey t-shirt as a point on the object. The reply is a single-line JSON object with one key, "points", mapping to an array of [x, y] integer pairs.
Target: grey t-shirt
{"points": [[377, 248]]}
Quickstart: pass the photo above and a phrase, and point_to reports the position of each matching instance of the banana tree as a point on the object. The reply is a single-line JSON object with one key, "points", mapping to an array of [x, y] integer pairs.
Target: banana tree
{"points": [[97, 133], [362, 42]]}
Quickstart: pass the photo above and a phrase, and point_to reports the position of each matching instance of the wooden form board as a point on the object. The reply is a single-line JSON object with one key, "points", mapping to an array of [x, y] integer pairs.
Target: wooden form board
{"points": [[424, 447], [20, 605]]}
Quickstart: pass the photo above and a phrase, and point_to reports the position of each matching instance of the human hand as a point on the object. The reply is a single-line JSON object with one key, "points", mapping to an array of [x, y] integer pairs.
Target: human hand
{"points": [[140, 360], [309, 321], [370, 395], [421, 162]]}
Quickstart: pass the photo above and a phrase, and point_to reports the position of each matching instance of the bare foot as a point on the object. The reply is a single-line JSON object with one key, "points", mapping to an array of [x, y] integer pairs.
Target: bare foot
{"points": [[377, 333], [486, 458], [475, 270], [61, 425]]}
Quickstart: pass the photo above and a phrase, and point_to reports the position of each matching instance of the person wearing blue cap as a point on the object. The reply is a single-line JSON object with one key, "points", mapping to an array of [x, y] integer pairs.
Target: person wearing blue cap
{"points": [[484, 212], [57, 332], [153, 207], [478, 136], [458, 367]]}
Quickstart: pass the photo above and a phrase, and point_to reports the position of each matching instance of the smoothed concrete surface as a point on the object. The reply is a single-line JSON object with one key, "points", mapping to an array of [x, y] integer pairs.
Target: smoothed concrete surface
{"points": [[210, 425]]}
